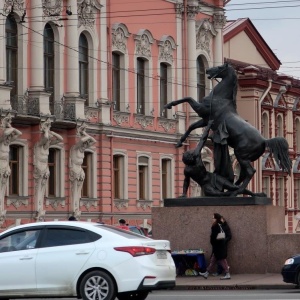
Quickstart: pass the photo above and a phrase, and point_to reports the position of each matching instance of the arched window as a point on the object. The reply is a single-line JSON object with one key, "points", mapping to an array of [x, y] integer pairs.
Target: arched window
{"points": [[265, 125], [279, 126], [200, 78], [83, 67], [11, 33], [49, 64]]}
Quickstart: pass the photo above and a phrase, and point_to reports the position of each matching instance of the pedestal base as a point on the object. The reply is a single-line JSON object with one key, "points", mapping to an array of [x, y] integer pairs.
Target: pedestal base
{"points": [[216, 201], [257, 232]]}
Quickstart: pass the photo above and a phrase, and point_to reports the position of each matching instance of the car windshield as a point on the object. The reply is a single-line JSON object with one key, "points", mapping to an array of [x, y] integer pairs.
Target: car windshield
{"points": [[136, 230], [125, 233]]}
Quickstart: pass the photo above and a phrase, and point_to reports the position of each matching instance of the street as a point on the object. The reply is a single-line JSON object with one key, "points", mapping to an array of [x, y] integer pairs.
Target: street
{"points": [[286, 294], [290, 294]]}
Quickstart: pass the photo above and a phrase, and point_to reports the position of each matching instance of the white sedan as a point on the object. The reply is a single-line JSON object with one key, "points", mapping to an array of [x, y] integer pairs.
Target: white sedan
{"points": [[84, 260]]}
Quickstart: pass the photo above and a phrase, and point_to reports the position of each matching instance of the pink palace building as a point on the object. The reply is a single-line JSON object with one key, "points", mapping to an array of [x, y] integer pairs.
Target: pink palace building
{"points": [[83, 86]]}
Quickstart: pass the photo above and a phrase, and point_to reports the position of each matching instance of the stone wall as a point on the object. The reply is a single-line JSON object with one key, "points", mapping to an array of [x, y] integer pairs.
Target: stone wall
{"points": [[259, 243]]}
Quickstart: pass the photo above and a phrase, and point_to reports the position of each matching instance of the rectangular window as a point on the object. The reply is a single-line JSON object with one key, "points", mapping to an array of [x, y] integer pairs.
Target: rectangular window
{"points": [[86, 191], [83, 67], [164, 178], [14, 163], [266, 185], [140, 86], [142, 182], [11, 31], [163, 87], [297, 190], [49, 64], [200, 79], [116, 163], [280, 187], [116, 80], [52, 168]]}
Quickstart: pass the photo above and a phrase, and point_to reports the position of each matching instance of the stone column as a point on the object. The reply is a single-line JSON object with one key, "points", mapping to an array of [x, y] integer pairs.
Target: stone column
{"points": [[73, 102], [36, 90], [191, 45], [219, 22], [72, 87], [3, 50]]}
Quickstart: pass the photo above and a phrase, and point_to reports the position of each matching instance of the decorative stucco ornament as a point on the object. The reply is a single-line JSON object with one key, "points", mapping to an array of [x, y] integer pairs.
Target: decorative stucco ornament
{"points": [[87, 12], [204, 34]]}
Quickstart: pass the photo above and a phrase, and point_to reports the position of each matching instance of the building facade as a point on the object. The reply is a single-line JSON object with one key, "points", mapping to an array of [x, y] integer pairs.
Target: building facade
{"points": [[83, 86]]}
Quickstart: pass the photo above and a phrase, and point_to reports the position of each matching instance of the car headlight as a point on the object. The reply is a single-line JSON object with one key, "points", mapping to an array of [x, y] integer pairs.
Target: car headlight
{"points": [[289, 261]]}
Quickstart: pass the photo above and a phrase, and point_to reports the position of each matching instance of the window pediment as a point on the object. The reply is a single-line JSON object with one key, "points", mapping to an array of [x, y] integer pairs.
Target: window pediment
{"points": [[87, 11], [166, 47], [120, 35], [143, 41]]}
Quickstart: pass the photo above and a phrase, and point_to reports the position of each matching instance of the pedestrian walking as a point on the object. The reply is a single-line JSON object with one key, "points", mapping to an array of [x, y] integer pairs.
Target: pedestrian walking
{"points": [[219, 248]]}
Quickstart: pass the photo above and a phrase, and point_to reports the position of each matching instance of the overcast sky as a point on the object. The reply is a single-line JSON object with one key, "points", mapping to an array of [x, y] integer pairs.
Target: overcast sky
{"points": [[279, 27]]}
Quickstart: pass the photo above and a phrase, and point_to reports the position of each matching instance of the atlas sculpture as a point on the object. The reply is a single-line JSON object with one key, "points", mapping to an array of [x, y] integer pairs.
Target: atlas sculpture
{"points": [[218, 111]]}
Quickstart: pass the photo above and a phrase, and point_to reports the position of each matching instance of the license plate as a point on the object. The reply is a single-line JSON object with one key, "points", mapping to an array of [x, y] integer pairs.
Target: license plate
{"points": [[161, 254]]}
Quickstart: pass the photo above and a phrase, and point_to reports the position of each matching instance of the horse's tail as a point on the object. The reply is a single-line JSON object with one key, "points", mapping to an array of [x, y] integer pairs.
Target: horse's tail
{"points": [[279, 148]]}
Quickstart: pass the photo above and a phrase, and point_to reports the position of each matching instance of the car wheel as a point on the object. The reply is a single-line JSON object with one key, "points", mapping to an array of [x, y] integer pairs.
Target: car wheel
{"points": [[135, 295], [97, 285]]}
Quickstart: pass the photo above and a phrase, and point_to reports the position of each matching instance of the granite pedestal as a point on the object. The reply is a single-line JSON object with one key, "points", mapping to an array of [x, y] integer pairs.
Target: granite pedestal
{"points": [[188, 225]]}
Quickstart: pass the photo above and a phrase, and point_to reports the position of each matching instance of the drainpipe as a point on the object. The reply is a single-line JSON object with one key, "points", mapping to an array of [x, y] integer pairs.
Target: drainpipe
{"points": [[109, 83], [259, 102]]}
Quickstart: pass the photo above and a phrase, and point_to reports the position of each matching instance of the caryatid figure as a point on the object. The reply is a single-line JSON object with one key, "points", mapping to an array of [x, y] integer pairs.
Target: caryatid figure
{"points": [[41, 168], [8, 135], [77, 175]]}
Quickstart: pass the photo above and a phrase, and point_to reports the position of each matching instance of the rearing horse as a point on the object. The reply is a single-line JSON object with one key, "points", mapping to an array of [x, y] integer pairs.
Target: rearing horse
{"points": [[229, 128]]}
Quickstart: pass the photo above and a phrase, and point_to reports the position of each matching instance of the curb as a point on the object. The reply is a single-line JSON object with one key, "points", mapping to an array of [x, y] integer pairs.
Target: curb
{"points": [[235, 287]]}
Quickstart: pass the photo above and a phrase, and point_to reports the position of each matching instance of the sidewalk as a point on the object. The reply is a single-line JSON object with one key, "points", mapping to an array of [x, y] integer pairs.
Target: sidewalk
{"points": [[237, 281]]}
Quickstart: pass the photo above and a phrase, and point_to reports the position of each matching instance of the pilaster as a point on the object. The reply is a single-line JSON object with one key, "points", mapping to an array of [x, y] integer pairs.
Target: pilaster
{"points": [[219, 22], [191, 41]]}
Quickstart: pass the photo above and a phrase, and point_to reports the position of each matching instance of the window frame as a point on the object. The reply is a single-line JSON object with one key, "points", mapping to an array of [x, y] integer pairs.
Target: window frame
{"points": [[116, 80], [11, 34], [201, 78], [49, 64], [141, 85], [83, 59]]}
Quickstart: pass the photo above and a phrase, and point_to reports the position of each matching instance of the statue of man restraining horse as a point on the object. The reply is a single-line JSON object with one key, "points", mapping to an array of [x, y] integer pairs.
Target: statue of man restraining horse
{"points": [[218, 111]]}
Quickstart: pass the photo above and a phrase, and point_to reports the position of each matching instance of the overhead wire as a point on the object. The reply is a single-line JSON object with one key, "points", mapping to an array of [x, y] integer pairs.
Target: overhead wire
{"points": [[127, 16]]}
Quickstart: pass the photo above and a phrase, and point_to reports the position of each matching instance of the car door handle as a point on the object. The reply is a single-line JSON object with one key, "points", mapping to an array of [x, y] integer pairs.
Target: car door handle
{"points": [[26, 258], [82, 253]]}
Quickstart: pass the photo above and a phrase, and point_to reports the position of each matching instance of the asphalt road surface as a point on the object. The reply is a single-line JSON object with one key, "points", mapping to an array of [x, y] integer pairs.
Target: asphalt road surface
{"points": [[289, 294]]}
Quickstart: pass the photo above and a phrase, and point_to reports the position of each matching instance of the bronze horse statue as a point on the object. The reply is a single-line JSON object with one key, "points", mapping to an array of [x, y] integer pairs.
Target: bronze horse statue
{"points": [[230, 129]]}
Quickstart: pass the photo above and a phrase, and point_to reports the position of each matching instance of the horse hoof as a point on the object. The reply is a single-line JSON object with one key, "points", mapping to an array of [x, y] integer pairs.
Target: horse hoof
{"points": [[178, 145], [167, 106]]}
